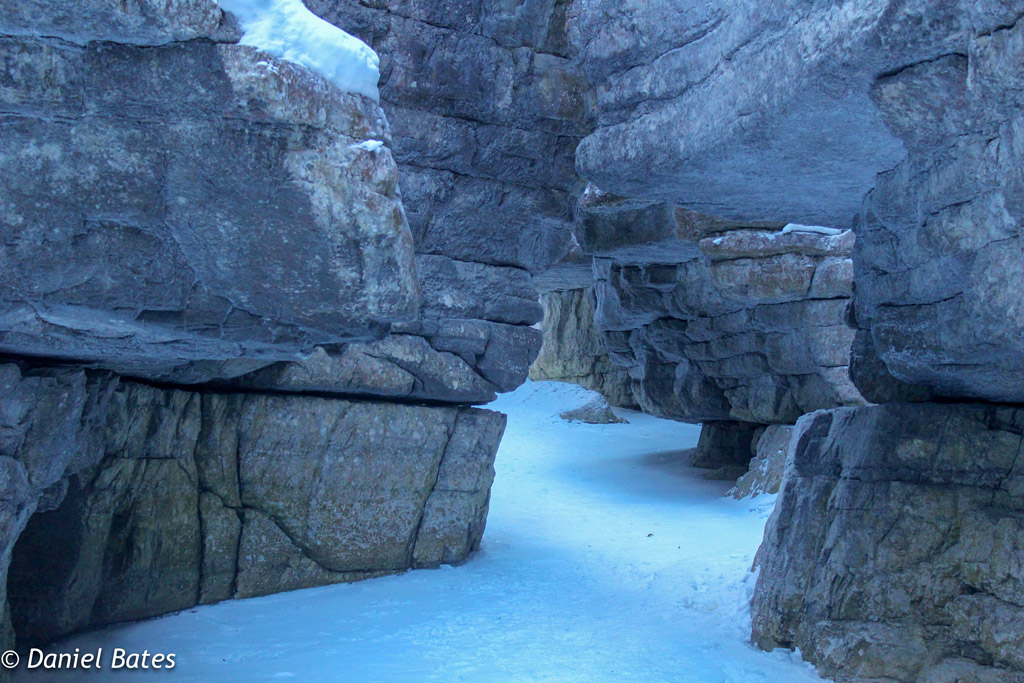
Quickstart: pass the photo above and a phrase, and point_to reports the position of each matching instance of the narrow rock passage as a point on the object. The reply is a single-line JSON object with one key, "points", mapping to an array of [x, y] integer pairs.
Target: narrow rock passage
{"points": [[604, 560]]}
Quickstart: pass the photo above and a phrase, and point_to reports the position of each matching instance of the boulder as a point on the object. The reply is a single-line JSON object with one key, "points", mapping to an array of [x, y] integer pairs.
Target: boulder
{"points": [[193, 499], [597, 411], [894, 551], [209, 209]]}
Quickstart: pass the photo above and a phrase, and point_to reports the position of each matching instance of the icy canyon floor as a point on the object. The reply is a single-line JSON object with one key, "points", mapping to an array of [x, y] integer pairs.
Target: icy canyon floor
{"points": [[604, 560]]}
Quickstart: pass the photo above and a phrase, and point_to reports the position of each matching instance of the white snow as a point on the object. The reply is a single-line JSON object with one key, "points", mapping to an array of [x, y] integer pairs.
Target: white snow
{"points": [[369, 145], [821, 230], [605, 559], [286, 29]]}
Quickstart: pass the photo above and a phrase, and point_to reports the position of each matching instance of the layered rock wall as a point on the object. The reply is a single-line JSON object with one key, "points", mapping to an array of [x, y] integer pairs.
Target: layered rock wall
{"points": [[892, 553], [900, 118], [173, 161], [187, 498], [217, 217], [220, 218], [718, 322], [574, 351], [486, 111], [939, 257], [770, 106], [747, 325], [895, 550]]}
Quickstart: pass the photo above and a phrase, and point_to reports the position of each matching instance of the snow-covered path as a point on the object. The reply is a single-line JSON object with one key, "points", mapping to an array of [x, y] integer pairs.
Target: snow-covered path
{"points": [[603, 560]]}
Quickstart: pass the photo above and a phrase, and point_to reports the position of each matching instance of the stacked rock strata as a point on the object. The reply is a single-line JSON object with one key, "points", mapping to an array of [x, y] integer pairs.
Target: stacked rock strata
{"points": [[702, 320], [486, 111], [214, 299], [150, 500], [734, 326], [232, 368], [894, 551], [575, 351]]}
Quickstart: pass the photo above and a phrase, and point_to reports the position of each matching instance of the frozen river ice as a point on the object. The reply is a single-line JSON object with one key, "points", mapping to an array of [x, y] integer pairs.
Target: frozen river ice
{"points": [[605, 559]]}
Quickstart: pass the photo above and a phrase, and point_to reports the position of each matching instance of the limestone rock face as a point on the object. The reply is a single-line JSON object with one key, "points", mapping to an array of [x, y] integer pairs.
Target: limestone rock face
{"points": [[900, 118], [717, 322], [209, 209], [183, 209], [474, 338], [144, 22], [738, 83], [50, 421], [941, 310], [755, 111], [195, 500], [453, 361], [574, 350], [486, 110], [766, 468], [894, 552]]}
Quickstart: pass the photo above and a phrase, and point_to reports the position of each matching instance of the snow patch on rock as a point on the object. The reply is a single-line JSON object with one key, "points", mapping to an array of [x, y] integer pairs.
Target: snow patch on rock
{"points": [[369, 145], [286, 29], [821, 230]]}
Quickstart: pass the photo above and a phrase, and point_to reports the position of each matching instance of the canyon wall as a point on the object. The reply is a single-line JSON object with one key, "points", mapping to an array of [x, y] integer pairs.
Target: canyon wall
{"points": [[236, 294], [893, 553], [719, 323], [174, 163], [737, 326], [180, 498], [237, 361], [486, 112], [575, 351], [895, 549]]}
